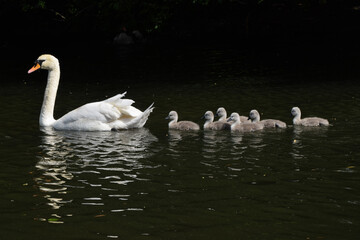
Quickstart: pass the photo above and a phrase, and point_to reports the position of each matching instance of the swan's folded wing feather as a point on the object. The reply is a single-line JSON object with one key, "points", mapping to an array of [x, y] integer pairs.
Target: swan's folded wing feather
{"points": [[115, 98], [131, 111], [124, 105], [98, 111], [119, 102]]}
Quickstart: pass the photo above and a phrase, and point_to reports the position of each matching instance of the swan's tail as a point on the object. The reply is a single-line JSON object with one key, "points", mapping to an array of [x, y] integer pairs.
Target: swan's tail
{"points": [[140, 121]]}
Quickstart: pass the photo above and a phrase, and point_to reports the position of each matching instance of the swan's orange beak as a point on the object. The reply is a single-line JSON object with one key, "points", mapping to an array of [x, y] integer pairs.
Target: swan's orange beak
{"points": [[34, 68]]}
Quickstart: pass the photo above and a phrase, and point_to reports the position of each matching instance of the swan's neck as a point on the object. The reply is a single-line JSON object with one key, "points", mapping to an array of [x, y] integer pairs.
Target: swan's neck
{"points": [[207, 122], [297, 119], [47, 109], [256, 119], [172, 122], [237, 122], [222, 118]]}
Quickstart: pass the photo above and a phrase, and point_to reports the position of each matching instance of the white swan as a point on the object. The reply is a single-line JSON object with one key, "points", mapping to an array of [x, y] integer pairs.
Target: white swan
{"points": [[307, 122], [237, 125], [268, 123], [182, 125], [211, 125], [111, 114]]}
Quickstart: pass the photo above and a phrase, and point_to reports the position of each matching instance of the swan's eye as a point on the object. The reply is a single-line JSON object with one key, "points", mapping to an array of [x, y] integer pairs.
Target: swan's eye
{"points": [[39, 62]]}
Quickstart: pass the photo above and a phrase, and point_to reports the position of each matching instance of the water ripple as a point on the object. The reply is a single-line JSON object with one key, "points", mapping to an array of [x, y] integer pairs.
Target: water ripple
{"points": [[84, 160]]}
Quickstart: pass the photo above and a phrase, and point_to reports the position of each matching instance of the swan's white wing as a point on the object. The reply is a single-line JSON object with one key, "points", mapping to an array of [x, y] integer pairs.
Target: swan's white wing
{"points": [[112, 113], [124, 105], [97, 111]]}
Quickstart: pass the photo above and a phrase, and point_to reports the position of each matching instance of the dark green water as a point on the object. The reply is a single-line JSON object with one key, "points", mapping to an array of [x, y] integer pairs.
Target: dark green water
{"points": [[298, 183]]}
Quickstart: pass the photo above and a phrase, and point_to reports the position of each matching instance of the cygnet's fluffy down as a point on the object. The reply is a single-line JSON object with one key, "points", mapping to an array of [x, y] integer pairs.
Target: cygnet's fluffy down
{"points": [[237, 125], [222, 114], [211, 125], [268, 123], [182, 125], [307, 122]]}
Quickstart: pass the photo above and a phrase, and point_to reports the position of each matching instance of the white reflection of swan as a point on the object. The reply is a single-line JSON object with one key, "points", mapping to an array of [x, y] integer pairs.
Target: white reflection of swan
{"points": [[66, 156]]}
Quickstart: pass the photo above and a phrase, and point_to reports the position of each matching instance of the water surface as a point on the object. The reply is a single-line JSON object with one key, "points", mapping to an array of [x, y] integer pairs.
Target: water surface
{"points": [[151, 183]]}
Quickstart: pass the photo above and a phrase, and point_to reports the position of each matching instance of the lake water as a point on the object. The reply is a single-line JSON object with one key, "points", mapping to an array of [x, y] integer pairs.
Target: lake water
{"points": [[151, 183]]}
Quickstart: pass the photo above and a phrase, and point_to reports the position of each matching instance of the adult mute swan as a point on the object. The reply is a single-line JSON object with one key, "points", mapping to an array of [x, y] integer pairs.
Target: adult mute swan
{"points": [[114, 113], [307, 122]]}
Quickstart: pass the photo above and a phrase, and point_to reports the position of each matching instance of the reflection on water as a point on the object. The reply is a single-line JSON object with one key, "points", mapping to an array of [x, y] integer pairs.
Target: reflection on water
{"points": [[296, 183], [70, 161], [307, 134], [301, 131]]}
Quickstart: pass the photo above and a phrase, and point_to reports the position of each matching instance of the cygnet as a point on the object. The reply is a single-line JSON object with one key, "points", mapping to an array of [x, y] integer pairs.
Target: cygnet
{"points": [[268, 123], [237, 125], [182, 125], [211, 125], [222, 114], [308, 122]]}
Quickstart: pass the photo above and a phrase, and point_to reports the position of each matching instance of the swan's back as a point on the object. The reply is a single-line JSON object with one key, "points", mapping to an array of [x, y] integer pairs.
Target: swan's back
{"points": [[313, 122], [273, 123], [247, 127], [244, 119], [185, 125], [218, 126]]}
